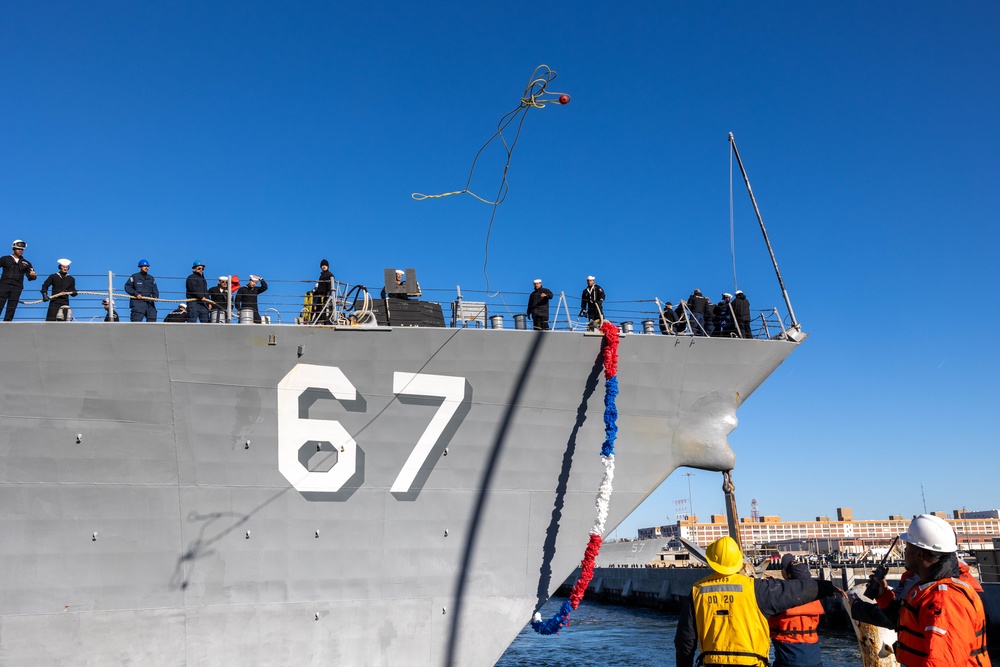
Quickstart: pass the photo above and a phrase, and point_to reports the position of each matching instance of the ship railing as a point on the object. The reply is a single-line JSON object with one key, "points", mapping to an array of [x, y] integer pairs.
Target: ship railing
{"points": [[288, 301], [284, 300], [765, 325], [771, 321]]}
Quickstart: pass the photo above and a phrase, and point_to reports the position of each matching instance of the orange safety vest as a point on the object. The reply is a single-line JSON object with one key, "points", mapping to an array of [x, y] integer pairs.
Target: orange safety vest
{"points": [[886, 598], [797, 625], [942, 623]]}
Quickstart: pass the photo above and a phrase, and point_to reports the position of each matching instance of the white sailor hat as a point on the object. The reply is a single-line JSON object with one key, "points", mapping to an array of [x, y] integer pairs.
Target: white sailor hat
{"points": [[400, 272], [739, 291], [537, 280], [728, 295], [254, 278], [591, 278], [63, 262], [224, 279]]}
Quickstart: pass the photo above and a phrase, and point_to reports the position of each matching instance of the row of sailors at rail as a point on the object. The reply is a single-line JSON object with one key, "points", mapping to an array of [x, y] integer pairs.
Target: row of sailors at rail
{"points": [[730, 317], [144, 294]]}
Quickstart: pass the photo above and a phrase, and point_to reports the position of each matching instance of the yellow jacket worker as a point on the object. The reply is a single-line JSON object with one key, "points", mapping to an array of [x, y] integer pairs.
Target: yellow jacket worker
{"points": [[726, 615]]}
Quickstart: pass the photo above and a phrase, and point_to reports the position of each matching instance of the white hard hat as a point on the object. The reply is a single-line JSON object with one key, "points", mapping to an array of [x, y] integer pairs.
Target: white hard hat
{"points": [[63, 262], [932, 533], [18, 243]]}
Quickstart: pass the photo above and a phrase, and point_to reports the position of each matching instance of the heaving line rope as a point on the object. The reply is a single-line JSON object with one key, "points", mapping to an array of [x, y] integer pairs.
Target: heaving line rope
{"points": [[533, 98]]}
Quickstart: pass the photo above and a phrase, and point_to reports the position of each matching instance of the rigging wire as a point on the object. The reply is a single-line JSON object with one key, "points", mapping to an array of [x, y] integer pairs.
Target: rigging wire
{"points": [[531, 99], [732, 226]]}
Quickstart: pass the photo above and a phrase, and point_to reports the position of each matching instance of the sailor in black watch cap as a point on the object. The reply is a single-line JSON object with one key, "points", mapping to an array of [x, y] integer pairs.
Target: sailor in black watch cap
{"points": [[322, 291]]}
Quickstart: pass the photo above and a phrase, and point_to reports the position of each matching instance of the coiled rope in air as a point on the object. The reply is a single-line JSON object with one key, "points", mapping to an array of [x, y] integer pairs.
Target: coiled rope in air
{"points": [[561, 618], [534, 97]]}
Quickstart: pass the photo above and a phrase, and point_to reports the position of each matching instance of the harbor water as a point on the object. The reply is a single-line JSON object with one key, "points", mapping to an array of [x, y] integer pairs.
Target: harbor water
{"points": [[613, 635]]}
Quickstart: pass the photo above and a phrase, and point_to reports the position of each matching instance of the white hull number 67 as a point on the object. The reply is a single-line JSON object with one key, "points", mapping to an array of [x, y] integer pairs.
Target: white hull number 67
{"points": [[294, 432]]}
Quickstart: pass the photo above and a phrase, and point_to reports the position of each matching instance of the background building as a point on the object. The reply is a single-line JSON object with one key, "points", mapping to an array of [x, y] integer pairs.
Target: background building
{"points": [[975, 530]]}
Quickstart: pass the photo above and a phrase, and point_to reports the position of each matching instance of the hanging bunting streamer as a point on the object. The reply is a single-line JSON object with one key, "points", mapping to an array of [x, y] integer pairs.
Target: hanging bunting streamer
{"points": [[561, 618]]}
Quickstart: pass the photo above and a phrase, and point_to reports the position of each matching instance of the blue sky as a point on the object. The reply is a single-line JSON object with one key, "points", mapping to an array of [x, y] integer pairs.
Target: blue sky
{"points": [[260, 137]]}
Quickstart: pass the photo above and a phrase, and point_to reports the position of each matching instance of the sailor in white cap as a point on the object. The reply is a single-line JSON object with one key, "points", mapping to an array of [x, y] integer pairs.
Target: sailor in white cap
{"points": [[14, 268], [179, 316], [401, 292], [400, 283], [246, 297], [538, 306], [592, 304], [63, 287], [719, 317], [220, 297]]}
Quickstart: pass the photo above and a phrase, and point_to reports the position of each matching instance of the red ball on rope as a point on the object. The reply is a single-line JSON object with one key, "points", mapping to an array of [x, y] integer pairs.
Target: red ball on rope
{"points": [[564, 99]]}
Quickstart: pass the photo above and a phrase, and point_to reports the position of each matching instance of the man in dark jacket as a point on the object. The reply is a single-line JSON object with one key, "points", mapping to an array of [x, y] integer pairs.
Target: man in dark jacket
{"points": [[197, 294], [725, 615], [668, 320], [63, 284], [709, 319], [794, 632], [680, 326], [14, 269], [698, 305], [142, 288], [538, 306], [741, 309], [322, 291], [109, 314], [722, 316], [246, 297]]}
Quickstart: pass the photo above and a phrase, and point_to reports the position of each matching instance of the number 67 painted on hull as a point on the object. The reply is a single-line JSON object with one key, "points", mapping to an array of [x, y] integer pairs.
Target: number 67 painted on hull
{"points": [[294, 431]]}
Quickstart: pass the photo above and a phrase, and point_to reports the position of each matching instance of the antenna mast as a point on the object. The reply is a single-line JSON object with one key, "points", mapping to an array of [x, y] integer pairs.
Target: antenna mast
{"points": [[689, 475], [767, 241]]}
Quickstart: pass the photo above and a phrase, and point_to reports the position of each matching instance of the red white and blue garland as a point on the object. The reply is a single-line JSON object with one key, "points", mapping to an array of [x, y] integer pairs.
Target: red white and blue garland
{"points": [[561, 617]]}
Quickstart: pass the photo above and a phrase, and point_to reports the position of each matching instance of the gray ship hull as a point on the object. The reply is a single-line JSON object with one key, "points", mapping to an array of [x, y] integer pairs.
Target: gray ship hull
{"points": [[195, 495]]}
